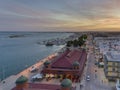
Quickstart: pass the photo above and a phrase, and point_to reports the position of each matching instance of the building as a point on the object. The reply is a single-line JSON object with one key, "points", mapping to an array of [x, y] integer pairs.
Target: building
{"points": [[22, 84], [112, 65], [70, 65]]}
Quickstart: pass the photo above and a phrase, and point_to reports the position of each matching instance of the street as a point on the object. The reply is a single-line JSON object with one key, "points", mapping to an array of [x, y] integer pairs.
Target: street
{"points": [[95, 82], [96, 74]]}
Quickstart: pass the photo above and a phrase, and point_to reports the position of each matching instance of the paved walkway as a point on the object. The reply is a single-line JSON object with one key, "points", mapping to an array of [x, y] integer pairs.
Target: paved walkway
{"points": [[8, 83]]}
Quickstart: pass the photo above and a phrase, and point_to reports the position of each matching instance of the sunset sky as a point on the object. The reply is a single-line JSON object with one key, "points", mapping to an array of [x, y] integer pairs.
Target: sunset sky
{"points": [[59, 15]]}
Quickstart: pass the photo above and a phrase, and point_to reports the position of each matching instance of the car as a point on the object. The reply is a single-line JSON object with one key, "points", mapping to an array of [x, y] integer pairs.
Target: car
{"points": [[88, 78], [33, 69]]}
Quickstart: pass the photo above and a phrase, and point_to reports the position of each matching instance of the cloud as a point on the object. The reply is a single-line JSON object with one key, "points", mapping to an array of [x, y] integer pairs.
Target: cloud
{"points": [[59, 14]]}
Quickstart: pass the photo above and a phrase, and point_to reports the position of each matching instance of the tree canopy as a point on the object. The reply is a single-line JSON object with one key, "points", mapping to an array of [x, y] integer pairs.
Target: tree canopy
{"points": [[77, 42]]}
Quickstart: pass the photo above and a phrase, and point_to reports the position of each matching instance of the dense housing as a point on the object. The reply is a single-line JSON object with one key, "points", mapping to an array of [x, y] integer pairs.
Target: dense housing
{"points": [[112, 65]]}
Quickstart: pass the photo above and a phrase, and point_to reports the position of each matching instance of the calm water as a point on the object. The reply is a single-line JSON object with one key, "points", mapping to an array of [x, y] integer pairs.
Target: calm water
{"points": [[17, 54]]}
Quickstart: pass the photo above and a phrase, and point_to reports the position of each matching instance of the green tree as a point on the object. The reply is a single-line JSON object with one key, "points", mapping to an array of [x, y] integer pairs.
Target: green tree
{"points": [[75, 43], [69, 43]]}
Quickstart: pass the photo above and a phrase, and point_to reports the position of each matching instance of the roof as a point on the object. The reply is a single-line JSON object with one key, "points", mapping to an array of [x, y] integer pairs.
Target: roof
{"points": [[21, 79], [64, 64], [37, 76], [67, 59], [38, 86], [44, 86], [113, 56], [66, 83]]}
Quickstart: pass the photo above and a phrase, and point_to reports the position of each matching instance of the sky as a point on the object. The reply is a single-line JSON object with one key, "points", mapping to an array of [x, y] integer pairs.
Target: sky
{"points": [[59, 15]]}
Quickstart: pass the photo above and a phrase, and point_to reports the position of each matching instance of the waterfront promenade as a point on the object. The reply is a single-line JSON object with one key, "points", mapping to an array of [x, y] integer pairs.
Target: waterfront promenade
{"points": [[9, 82]]}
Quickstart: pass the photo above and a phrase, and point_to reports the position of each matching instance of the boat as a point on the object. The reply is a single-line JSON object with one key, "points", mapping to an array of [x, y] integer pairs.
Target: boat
{"points": [[49, 44]]}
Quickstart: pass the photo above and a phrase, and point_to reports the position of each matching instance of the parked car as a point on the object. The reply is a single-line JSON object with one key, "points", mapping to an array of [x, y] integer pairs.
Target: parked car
{"points": [[88, 78], [33, 69]]}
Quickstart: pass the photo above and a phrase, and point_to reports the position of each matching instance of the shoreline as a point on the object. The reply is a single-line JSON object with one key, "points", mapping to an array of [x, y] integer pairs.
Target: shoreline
{"points": [[9, 82], [23, 51], [38, 63], [26, 71]]}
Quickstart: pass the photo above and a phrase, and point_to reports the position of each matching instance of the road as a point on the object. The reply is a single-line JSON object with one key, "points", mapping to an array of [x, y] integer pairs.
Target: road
{"points": [[95, 82]]}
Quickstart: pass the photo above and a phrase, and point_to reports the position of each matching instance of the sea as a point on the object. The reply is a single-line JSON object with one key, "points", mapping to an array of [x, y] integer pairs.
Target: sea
{"points": [[19, 53]]}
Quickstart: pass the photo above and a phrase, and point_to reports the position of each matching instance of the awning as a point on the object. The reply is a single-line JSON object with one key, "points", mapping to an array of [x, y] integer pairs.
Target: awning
{"points": [[51, 75], [37, 76]]}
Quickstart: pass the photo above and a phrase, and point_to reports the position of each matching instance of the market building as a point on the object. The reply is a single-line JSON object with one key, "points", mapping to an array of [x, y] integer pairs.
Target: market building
{"points": [[69, 65]]}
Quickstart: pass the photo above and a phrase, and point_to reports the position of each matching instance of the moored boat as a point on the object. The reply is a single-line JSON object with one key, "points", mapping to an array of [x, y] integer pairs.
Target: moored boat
{"points": [[49, 44]]}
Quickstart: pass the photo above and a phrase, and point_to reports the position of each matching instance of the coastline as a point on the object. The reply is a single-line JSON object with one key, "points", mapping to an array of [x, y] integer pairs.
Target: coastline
{"points": [[9, 82], [70, 37], [26, 72], [25, 50]]}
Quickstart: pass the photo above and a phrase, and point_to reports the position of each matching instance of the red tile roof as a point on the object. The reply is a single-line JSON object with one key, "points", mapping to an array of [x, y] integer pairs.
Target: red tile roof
{"points": [[64, 64], [66, 60], [37, 86], [44, 86]]}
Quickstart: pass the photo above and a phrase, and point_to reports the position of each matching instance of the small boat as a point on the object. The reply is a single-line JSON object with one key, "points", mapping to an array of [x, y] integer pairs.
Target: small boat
{"points": [[49, 44]]}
